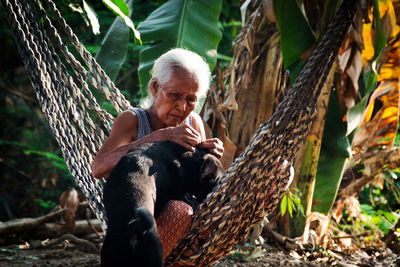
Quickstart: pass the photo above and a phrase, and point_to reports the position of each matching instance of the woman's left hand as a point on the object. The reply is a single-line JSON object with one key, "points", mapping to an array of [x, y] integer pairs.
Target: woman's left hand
{"points": [[215, 146]]}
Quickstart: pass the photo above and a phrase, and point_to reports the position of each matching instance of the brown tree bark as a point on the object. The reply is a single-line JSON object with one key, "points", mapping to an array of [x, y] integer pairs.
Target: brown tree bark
{"points": [[257, 101]]}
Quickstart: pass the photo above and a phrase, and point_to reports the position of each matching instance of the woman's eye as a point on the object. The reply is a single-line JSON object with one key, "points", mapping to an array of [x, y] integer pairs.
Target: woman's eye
{"points": [[191, 99], [174, 96]]}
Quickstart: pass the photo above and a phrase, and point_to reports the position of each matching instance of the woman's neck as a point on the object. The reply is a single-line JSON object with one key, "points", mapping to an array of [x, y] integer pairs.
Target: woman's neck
{"points": [[154, 121]]}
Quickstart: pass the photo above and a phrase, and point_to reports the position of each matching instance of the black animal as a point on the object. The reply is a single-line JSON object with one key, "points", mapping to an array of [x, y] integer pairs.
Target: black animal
{"points": [[139, 186]]}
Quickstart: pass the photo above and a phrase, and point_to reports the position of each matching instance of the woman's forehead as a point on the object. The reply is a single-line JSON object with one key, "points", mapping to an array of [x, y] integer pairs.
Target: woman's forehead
{"points": [[183, 83]]}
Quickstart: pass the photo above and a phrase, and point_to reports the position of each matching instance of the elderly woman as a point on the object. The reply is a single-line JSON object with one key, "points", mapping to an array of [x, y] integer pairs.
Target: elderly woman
{"points": [[179, 79]]}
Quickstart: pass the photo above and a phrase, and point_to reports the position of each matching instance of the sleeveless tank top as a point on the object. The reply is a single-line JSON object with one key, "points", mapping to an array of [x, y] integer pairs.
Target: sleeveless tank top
{"points": [[143, 122]]}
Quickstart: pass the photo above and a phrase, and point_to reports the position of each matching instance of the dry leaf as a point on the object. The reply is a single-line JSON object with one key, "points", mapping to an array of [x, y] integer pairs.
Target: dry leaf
{"points": [[353, 206], [269, 11], [378, 180], [229, 147], [378, 127], [317, 223], [337, 210], [69, 200], [346, 242], [350, 64]]}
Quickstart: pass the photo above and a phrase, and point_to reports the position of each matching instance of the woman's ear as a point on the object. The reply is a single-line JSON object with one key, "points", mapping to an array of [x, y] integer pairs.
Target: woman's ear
{"points": [[154, 85]]}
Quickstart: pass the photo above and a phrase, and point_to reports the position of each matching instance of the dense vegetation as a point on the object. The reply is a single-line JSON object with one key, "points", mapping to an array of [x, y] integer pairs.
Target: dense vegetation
{"points": [[34, 174]]}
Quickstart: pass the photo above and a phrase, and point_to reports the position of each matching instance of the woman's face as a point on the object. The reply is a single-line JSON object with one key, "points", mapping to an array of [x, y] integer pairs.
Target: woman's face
{"points": [[174, 100]]}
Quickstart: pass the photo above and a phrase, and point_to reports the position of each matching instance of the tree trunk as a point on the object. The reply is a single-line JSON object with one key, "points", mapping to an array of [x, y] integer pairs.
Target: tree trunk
{"points": [[308, 172], [257, 101]]}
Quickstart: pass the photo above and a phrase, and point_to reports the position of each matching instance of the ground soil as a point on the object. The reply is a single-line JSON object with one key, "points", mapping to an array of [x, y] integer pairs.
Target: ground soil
{"points": [[69, 255]]}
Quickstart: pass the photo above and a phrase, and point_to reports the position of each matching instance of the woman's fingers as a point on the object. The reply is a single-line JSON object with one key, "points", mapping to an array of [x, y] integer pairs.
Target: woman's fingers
{"points": [[184, 135], [215, 146]]}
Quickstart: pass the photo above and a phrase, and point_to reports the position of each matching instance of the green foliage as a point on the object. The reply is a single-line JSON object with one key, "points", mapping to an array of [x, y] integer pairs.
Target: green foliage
{"points": [[49, 204], [291, 202], [230, 25], [55, 160], [189, 24], [296, 35], [113, 49], [120, 8], [33, 172], [117, 6], [380, 208], [335, 151]]}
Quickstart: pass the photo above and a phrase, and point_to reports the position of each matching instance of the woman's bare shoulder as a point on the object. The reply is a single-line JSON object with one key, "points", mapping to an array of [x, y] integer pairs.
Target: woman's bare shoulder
{"points": [[125, 123], [196, 118], [198, 124]]}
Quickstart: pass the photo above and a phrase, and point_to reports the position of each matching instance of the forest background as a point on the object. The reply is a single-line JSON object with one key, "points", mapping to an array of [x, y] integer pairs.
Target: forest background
{"points": [[356, 157]]}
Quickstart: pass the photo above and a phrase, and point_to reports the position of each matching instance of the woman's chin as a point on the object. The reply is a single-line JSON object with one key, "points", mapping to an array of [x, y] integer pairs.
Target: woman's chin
{"points": [[173, 121]]}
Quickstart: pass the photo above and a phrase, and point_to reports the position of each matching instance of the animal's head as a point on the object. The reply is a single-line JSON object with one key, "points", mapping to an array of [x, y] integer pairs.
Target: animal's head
{"points": [[202, 170], [210, 170]]}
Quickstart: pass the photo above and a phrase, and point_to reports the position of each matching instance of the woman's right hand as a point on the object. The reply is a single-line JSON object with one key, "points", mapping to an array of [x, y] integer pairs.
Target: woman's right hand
{"points": [[184, 134]]}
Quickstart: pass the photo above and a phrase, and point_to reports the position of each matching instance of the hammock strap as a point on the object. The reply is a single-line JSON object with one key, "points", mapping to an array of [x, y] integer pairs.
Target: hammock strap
{"points": [[275, 144], [51, 81], [74, 101], [81, 73], [99, 79]]}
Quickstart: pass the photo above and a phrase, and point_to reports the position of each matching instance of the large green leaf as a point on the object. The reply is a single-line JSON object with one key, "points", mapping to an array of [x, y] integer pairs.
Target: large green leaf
{"points": [[120, 8], [114, 47], [335, 152], [112, 54], [117, 6], [330, 167], [296, 35], [189, 24]]}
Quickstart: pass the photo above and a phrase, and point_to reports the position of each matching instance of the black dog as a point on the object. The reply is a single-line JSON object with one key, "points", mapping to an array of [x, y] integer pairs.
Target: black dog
{"points": [[139, 186]]}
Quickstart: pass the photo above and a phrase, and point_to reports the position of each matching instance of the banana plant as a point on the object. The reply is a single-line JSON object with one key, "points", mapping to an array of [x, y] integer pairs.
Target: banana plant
{"points": [[189, 24], [114, 47], [336, 140]]}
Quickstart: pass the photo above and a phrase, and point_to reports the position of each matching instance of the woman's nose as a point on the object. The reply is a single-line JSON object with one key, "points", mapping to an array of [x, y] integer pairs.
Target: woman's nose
{"points": [[181, 105]]}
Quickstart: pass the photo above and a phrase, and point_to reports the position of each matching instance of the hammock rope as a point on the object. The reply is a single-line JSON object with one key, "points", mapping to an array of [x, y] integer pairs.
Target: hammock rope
{"points": [[251, 187], [62, 102], [239, 201]]}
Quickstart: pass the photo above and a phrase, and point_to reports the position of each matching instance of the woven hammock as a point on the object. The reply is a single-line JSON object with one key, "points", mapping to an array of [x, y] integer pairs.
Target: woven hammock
{"points": [[250, 189]]}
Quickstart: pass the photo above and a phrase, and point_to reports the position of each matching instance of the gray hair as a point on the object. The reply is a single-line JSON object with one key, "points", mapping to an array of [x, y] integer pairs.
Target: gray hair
{"points": [[179, 58]]}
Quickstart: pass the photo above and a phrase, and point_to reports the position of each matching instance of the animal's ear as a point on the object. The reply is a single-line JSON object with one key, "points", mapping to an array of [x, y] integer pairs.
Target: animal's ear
{"points": [[209, 168]]}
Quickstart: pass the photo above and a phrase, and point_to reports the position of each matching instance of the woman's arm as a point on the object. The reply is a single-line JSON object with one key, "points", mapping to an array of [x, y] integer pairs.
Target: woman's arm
{"points": [[123, 138], [123, 132]]}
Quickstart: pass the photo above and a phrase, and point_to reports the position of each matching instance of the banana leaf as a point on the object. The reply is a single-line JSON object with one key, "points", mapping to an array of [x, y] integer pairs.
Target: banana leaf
{"points": [[335, 152], [338, 134], [296, 39], [297, 36], [189, 24], [114, 47], [112, 54]]}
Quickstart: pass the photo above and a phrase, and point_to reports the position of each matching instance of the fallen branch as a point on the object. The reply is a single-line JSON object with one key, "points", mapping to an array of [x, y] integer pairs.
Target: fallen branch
{"points": [[93, 227], [82, 227], [26, 224], [290, 243], [373, 162], [71, 238], [351, 236]]}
